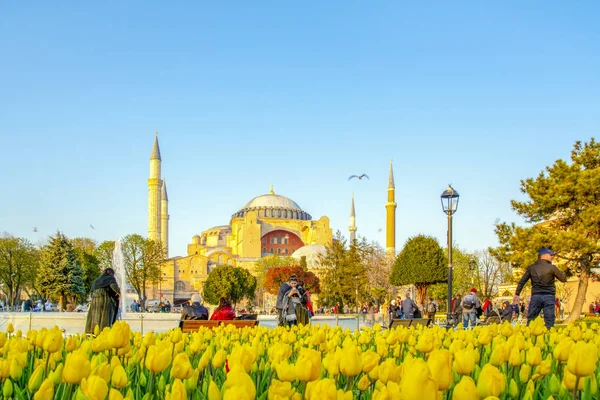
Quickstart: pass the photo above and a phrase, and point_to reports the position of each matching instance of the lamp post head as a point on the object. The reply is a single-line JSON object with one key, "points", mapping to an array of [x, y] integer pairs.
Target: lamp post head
{"points": [[449, 200]]}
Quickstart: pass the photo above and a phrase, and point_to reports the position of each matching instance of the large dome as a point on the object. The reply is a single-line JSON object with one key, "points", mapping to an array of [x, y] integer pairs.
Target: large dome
{"points": [[312, 252], [273, 205]]}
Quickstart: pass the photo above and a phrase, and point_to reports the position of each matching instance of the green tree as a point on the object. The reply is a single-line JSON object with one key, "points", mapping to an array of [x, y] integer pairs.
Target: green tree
{"points": [[561, 211], [345, 278], [230, 282], [421, 263], [463, 278], [378, 269], [142, 258], [85, 248], [18, 265], [262, 266], [60, 273], [104, 253]]}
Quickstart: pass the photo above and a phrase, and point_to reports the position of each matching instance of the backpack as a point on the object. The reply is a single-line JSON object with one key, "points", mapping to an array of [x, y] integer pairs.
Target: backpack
{"points": [[431, 307], [468, 302]]}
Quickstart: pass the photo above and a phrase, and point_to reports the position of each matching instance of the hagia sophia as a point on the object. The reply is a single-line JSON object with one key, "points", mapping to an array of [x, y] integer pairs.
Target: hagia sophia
{"points": [[266, 225]]}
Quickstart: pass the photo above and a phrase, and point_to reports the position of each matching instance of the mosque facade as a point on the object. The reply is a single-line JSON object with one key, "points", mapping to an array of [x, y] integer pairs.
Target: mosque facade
{"points": [[266, 225]]}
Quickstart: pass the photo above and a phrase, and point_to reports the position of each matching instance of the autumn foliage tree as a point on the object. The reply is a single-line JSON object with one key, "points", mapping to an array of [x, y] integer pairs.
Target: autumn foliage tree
{"points": [[277, 275]]}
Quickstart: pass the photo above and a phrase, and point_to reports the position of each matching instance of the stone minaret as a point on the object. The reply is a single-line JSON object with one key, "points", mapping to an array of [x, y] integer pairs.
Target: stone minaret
{"points": [[352, 227], [154, 191], [164, 218], [390, 219]]}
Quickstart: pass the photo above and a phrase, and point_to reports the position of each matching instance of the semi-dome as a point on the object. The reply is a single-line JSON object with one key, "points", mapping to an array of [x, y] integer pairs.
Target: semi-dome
{"points": [[273, 205], [312, 252]]}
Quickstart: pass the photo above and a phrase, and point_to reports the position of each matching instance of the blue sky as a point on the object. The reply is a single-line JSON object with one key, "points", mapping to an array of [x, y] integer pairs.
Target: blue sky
{"points": [[298, 95]]}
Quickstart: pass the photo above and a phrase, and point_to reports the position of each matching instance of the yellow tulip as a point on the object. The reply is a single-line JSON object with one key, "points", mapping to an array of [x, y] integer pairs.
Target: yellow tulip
{"points": [[15, 369], [513, 389], [103, 371], [238, 378], [71, 344], [562, 350], [177, 391], [569, 380], [537, 327], [364, 383], [545, 367], [237, 393], [286, 372], [94, 387], [7, 389], [56, 375], [77, 367], [114, 394], [119, 377], [582, 359], [242, 355], [386, 371], [118, 336], [440, 365], [369, 360], [219, 358], [514, 358], [350, 364], [35, 380], [46, 391], [192, 382], [417, 381], [213, 391], [499, 355], [524, 373], [176, 335], [554, 385], [280, 390], [323, 389], [158, 359], [341, 395], [534, 356], [425, 343], [181, 368], [53, 340], [464, 361], [491, 382], [465, 390]]}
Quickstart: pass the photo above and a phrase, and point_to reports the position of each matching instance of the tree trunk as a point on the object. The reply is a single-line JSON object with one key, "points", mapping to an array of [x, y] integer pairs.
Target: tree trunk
{"points": [[584, 278], [421, 292]]}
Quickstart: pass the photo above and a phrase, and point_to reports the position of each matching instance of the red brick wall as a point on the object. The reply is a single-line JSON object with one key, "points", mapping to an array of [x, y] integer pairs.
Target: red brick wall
{"points": [[275, 240]]}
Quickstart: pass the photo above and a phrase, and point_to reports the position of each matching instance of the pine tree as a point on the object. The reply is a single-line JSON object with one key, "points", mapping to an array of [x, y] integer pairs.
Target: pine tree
{"points": [[60, 273]]}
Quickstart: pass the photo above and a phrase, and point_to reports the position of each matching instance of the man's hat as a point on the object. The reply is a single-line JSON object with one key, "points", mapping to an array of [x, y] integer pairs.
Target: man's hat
{"points": [[545, 250]]}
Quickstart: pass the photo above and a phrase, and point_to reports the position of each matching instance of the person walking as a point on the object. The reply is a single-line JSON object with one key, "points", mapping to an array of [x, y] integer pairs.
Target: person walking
{"points": [[105, 302], [457, 309], [470, 303], [409, 307], [431, 309], [543, 289], [283, 289]]}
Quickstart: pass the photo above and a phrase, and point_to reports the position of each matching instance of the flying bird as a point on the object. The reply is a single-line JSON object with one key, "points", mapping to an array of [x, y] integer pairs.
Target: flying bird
{"points": [[379, 230], [35, 228], [92, 226], [359, 177]]}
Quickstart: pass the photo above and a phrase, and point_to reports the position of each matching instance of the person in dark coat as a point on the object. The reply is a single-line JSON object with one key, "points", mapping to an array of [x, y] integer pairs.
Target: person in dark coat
{"points": [[194, 311], [105, 302], [283, 289], [507, 311], [224, 312], [294, 305]]}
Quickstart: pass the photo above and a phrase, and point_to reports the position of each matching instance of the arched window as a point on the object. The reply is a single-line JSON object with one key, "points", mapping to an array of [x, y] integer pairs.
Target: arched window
{"points": [[220, 262], [180, 285], [279, 238], [279, 213], [264, 249], [271, 250], [286, 251], [278, 251], [286, 239]]}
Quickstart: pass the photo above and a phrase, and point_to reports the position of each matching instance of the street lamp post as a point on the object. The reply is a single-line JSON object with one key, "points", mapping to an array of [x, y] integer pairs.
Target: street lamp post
{"points": [[357, 320], [472, 264], [449, 200]]}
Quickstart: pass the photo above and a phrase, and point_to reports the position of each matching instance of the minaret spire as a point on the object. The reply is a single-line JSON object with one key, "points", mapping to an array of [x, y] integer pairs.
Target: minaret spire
{"points": [[154, 193], [155, 149], [352, 227], [164, 218], [391, 178], [390, 219]]}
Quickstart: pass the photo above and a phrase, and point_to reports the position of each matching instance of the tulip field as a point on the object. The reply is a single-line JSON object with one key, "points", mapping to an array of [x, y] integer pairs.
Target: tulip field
{"points": [[306, 362]]}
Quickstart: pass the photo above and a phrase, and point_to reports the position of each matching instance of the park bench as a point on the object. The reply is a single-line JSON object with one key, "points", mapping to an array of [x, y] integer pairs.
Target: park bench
{"points": [[410, 322], [192, 325]]}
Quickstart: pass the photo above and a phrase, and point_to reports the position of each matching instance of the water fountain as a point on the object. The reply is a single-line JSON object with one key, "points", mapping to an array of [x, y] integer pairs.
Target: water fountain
{"points": [[120, 274]]}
